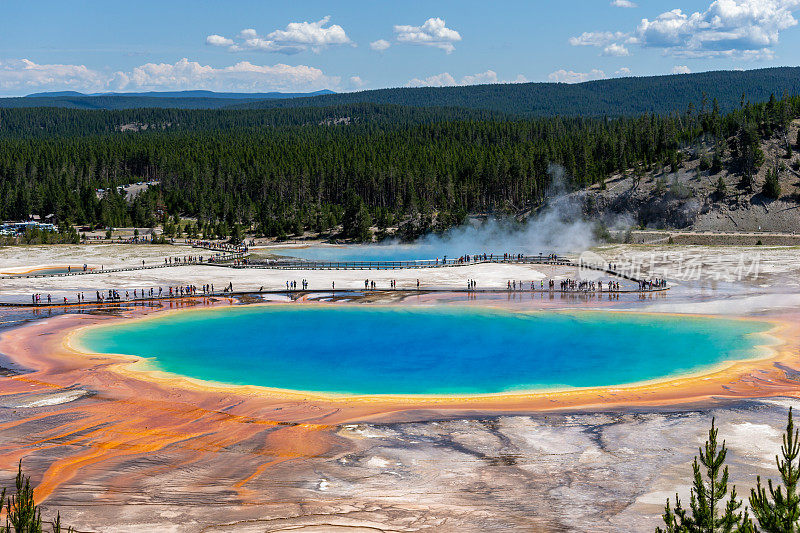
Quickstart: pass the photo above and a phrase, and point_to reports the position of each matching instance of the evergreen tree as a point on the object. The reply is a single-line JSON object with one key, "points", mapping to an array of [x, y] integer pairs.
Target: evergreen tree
{"points": [[747, 153], [716, 161], [357, 220], [779, 511], [705, 513], [236, 234], [21, 510], [772, 185], [22, 513], [721, 189]]}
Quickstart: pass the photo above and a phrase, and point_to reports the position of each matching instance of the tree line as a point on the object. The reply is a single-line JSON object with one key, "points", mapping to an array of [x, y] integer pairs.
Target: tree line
{"points": [[284, 171]]}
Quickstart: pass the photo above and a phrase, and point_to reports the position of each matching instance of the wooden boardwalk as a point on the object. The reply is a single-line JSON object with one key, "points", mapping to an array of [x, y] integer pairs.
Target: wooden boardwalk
{"points": [[346, 293], [292, 264], [299, 264]]}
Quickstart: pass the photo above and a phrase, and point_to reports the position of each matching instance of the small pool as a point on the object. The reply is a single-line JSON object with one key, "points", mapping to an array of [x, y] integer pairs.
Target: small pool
{"points": [[51, 271], [390, 252]]}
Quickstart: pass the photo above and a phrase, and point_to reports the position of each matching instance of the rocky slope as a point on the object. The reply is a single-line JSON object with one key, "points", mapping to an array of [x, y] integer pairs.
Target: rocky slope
{"points": [[688, 199]]}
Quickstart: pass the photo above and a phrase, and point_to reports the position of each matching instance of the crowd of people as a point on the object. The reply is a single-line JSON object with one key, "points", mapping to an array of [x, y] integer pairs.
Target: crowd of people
{"points": [[182, 260], [219, 246], [292, 285], [506, 257], [652, 284], [114, 295], [571, 285]]}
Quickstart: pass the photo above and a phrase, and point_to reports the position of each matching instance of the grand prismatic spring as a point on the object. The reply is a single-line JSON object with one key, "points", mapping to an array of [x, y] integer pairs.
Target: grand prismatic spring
{"points": [[397, 351], [387, 405]]}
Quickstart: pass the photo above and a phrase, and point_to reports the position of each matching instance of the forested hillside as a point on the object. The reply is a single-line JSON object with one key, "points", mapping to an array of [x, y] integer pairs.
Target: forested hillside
{"points": [[611, 97], [286, 177], [39, 122]]}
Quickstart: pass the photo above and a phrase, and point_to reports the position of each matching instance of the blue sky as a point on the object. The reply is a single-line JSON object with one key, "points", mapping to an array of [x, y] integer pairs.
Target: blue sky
{"points": [[304, 45]]}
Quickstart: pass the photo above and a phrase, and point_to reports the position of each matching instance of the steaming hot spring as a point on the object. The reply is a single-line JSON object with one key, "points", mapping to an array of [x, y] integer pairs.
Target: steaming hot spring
{"points": [[397, 350]]}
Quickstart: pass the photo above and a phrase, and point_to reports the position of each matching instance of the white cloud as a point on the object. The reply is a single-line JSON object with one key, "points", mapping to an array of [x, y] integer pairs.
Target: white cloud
{"points": [[380, 45], [489, 76], [218, 40], [297, 37], [24, 75], [623, 3], [681, 69], [599, 38], [311, 33], [743, 29], [624, 71], [570, 76], [612, 43], [356, 81], [616, 50], [433, 32], [728, 28], [445, 79], [243, 76]]}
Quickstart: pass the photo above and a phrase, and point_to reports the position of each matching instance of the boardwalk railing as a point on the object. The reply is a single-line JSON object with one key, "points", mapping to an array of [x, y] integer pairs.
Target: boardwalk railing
{"points": [[345, 292], [553, 260]]}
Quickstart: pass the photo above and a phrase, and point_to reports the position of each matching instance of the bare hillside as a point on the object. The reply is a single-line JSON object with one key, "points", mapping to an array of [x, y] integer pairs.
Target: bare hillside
{"points": [[690, 197]]}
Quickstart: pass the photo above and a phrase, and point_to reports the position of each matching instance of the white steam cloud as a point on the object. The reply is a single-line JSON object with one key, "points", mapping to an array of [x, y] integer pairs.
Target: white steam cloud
{"points": [[557, 227]]}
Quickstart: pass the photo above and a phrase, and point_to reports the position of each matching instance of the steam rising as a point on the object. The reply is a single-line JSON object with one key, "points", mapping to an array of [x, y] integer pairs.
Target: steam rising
{"points": [[558, 227]]}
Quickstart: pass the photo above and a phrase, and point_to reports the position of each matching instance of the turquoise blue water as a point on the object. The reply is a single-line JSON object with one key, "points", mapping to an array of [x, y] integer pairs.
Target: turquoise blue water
{"points": [[369, 350]]}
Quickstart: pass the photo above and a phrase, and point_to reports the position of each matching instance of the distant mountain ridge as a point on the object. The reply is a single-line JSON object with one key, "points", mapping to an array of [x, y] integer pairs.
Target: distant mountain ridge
{"points": [[183, 94], [609, 97]]}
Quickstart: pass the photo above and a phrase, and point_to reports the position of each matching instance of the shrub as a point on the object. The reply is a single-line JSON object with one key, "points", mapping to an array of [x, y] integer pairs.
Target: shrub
{"points": [[661, 187], [679, 190]]}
